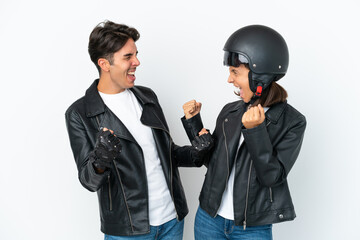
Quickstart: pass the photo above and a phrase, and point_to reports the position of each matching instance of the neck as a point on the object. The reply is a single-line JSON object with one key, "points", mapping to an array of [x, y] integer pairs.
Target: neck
{"points": [[106, 85]]}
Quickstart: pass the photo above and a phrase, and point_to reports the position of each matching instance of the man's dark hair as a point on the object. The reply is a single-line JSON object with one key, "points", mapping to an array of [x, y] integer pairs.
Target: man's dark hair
{"points": [[107, 38]]}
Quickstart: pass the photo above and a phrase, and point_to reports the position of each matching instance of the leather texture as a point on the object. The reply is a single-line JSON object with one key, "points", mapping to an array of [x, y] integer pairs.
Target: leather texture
{"points": [[122, 190], [262, 164]]}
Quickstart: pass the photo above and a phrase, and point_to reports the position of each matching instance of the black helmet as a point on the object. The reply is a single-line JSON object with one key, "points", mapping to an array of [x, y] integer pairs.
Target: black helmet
{"points": [[263, 49]]}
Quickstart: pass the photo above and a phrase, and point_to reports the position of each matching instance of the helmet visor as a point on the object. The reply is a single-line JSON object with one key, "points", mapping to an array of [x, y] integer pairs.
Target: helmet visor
{"points": [[234, 59]]}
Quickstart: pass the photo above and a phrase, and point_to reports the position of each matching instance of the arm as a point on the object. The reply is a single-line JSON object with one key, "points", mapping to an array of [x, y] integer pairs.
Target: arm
{"points": [[83, 153], [273, 163], [197, 154], [201, 140]]}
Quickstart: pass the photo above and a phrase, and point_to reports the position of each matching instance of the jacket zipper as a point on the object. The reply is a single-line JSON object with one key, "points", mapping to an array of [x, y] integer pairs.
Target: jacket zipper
{"points": [[110, 199], [227, 155], [248, 187], [122, 188], [247, 195], [97, 119], [270, 190], [123, 192], [227, 163]]}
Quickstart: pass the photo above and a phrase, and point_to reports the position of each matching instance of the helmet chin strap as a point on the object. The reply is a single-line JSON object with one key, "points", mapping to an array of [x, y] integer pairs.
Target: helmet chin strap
{"points": [[259, 82]]}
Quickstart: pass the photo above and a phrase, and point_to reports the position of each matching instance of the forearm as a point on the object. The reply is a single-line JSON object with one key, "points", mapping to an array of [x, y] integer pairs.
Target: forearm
{"points": [[273, 163], [192, 126], [90, 177], [268, 168]]}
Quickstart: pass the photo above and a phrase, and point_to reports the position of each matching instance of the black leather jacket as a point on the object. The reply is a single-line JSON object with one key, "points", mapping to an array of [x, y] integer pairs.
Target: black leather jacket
{"points": [[122, 191], [269, 151]]}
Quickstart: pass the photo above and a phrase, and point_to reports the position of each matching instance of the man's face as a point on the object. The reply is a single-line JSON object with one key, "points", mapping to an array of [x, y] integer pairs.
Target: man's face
{"points": [[122, 70]]}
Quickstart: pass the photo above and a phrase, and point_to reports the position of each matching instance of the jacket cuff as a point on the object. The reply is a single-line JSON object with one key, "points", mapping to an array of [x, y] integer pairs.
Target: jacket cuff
{"points": [[192, 126], [247, 131]]}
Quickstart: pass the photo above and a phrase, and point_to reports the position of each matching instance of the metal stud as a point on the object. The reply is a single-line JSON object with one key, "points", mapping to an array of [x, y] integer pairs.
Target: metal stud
{"points": [[279, 66], [254, 65]]}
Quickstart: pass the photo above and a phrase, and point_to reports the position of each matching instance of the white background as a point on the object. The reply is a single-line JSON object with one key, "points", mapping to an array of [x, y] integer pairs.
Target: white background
{"points": [[45, 67]]}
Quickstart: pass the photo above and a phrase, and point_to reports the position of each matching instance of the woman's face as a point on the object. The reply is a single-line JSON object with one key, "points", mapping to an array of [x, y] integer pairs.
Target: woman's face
{"points": [[239, 78]]}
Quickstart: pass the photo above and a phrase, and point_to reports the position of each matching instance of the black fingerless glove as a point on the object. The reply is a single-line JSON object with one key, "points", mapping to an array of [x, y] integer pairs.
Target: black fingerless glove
{"points": [[203, 144], [107, 149]]}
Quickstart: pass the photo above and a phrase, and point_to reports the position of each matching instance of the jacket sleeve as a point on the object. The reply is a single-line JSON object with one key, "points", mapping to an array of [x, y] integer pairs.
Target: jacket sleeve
{"points": [[187, 156], [273, 163], [192, 126], [83, 152]]}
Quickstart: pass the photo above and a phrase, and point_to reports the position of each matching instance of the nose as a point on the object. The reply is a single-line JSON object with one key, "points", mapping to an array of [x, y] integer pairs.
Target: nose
{"points": [[136, 62], [230, 80]]}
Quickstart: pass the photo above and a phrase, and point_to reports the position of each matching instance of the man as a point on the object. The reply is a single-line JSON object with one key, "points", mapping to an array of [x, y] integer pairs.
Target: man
{"points": [[122, 145]]}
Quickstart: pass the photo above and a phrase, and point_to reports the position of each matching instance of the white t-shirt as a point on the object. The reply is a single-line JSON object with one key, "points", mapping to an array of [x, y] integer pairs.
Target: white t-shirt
{"points": [[226, 209], [127, 108]]}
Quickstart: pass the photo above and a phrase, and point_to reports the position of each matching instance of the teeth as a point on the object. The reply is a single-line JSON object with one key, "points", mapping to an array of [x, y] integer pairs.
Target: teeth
{"points": [[131, 73]]}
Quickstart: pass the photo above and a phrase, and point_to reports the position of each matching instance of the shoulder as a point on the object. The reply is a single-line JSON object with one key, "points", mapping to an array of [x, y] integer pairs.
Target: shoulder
{"points": [[76, 108], [293, 113], [293, 117]]}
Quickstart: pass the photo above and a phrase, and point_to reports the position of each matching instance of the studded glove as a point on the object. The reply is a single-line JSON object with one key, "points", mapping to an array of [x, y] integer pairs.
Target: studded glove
{"points": [[107, 149], [202, 144]]}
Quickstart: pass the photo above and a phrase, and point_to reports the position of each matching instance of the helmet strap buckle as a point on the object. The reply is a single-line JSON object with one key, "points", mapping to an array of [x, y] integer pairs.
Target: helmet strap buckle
{"points": [[259, 89]]}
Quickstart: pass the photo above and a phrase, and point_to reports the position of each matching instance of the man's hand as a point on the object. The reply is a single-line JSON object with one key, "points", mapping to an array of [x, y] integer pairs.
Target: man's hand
{"points": [[253, 117], [191, 108], [107, 148]]}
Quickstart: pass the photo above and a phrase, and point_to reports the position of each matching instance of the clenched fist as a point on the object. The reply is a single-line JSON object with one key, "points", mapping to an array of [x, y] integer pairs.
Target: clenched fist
{"points": [[253, 117], [191, 108], [107, 148]]}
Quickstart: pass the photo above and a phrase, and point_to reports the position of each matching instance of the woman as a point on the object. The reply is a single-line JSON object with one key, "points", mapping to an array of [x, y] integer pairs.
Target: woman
{"points": [[257, 141]]}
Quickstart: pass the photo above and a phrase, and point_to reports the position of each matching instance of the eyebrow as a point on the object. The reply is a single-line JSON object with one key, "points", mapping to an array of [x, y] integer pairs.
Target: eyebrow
{"points": [[130, 54]]}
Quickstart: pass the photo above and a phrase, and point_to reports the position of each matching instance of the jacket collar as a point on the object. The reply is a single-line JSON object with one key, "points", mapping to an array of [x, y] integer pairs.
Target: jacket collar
{"points": [[273, 114], [94, 104], [275, 111], [238, 105]]}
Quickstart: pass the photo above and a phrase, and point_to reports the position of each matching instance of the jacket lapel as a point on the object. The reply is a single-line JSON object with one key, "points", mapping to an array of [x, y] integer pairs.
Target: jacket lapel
{"points": [[152, 114], [111, 121], [232, 129]]}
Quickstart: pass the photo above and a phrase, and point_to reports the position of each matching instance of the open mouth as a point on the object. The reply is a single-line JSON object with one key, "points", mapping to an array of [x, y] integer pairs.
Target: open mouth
{"points": [[131, 75]]}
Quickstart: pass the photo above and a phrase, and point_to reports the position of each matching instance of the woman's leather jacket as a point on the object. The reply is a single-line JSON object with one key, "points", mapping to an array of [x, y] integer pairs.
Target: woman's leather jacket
{"points": [[262, 164]]}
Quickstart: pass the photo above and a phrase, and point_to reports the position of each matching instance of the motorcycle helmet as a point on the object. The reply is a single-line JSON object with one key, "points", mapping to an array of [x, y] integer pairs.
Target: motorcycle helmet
{"points": [[264, 51]]}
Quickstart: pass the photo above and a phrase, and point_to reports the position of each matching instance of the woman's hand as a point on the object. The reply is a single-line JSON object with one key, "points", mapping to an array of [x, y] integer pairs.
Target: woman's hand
{"points": [[191, 108], [253, 117]]}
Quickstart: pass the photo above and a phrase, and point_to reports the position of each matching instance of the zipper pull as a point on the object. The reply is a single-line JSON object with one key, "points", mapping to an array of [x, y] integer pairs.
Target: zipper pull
{"points": [[244, 225]]}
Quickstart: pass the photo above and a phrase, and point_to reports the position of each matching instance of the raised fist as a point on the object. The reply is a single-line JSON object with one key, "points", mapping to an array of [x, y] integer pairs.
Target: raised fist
{"points": [[253, 117], [191, 108]]}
